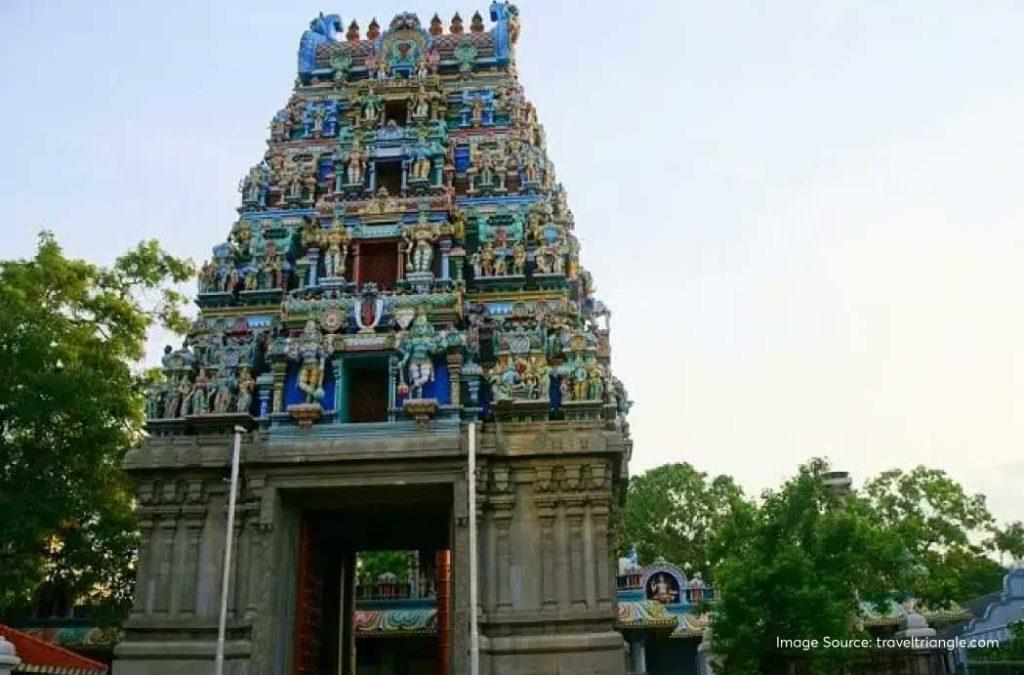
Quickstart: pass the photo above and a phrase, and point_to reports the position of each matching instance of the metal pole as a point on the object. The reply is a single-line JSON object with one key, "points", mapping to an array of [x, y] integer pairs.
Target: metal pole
{"points": [[474, 630], [226, 576]]}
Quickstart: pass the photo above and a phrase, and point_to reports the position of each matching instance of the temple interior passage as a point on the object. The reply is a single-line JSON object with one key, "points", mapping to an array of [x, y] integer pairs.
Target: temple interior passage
{"points": [[345, 623]]}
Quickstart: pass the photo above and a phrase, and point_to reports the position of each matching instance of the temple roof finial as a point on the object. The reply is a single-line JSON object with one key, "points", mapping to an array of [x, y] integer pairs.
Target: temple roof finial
{"points": [[476, 24], [435, 25], [456, 27], [352, 35], [373, 30]]}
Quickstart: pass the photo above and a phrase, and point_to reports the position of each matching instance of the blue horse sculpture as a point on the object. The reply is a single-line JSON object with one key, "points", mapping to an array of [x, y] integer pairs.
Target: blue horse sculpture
{"points": [[321, 31]]}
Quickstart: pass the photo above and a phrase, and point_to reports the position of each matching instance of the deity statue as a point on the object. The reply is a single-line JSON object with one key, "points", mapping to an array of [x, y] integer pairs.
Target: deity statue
{"points": [[486, 260], [419, 245], [245, 388], [477, 111], [595, 382], [420, 162], [251, 186], [154, 394], [418, 347], [663, 592], [174, 403], [422, 68], [311, 356], [199, 400], [420, 105], [335, 256], [519, 259], [371, 107], [251, 278], [528, 165], [319, 115], [223, 395], [208, 277], [356, 164]]}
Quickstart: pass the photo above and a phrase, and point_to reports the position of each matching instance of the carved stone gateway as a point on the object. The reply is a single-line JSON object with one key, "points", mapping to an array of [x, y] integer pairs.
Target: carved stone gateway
{"points": [[404, 265]]}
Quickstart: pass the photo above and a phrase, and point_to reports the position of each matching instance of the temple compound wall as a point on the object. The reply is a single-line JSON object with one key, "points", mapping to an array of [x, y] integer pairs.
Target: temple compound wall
{"points": [[403, 266]]}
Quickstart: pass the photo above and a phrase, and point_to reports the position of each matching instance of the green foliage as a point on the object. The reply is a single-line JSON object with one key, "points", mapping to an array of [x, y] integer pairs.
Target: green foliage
{"points": [[795, 567], [675, 511], [70, 407], [940, 525], [1009, 540], [371, 564]]}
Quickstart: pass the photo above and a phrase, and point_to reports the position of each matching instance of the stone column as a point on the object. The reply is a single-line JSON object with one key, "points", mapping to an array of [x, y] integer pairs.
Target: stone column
{"points": [[455, 378], [144, 572], [546, 513], [338, 364], [638, 652], [599, 513], [280, 370], [313, 260], [446, 247], [165, 570], [502, 519], [392, 377], [193, 532], [574, 511], [8, 657], [348, 614]]}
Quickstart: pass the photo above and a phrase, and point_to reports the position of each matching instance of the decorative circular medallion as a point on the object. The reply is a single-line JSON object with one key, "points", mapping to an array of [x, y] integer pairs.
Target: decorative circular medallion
{"points": [[332, 320]]}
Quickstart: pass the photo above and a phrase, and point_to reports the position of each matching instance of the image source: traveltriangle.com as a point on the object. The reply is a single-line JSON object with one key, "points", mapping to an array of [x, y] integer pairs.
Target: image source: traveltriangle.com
{"points": [[404, 266]]}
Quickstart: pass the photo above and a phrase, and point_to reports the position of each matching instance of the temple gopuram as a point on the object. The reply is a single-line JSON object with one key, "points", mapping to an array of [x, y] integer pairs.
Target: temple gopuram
{"points": [[400, 291]]}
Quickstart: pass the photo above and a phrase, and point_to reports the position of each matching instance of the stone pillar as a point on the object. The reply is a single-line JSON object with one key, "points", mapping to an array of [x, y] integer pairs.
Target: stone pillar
{"points": [[455, 378], [706, 659], [8, 657], [340, 413], [599, 513], [446, 247], [546, 513], [574, 511], [161, 603], [392, 378], [313, 260], [280, 370], [348, 614], [143, 574], [502, 520], [638, 653], [355, 263], [193, 532], [265, 384]]}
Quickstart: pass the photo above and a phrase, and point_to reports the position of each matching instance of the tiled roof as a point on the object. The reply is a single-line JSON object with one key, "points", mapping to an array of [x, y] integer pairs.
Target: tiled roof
{"points": [[39, 656]]}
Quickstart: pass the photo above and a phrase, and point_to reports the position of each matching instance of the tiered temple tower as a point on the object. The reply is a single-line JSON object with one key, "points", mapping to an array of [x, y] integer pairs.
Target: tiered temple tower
{"points": [[403, 264]]}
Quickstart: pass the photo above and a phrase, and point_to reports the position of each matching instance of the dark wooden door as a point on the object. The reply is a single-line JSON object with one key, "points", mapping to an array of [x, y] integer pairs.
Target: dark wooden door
{"points": [[309, 604]]}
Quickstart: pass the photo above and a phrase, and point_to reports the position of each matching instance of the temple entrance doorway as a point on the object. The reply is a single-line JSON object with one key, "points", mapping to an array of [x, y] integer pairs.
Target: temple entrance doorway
{"points": [[373, 582]]}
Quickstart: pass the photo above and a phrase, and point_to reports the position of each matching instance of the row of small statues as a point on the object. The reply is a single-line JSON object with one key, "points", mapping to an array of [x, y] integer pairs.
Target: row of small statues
{"points": [[204, 396], [225, 277], [490, 261], [530, 379]]}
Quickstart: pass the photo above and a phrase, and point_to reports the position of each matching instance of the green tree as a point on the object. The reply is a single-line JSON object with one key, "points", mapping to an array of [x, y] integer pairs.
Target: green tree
{"points": [[71, 405], [675, 511], [372, 564], [1009, 540], [797, 567], [942, 526]]}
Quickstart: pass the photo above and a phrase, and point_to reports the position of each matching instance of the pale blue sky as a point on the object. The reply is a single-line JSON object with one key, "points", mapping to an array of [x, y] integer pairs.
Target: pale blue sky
{"points": [[806, 216]]}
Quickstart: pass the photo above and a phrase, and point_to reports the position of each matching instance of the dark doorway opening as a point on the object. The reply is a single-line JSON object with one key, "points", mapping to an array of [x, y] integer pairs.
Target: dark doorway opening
{"points": [[366, 390], [346, 623], [397, 111], [389, 175]]}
